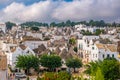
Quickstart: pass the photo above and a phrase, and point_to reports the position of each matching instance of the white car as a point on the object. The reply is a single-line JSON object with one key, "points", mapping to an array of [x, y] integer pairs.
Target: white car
{"points": [[20, 75]]}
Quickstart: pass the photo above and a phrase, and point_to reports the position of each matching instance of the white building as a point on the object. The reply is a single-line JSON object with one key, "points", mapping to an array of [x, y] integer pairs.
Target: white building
{"points": [[92, 50], [87, 28], [16, 28], [13, 52], [3, 27], [34, 44], [105, 36], [90, 37], [35, 35], [112, 31], [2, 45]]}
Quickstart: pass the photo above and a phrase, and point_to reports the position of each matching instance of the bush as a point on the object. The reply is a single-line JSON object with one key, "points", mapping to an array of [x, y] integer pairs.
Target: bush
{"points": [[46, 38], [28, 78], [49, 76], [38, 78], [75, 49], [57, 76], [63, 76]]}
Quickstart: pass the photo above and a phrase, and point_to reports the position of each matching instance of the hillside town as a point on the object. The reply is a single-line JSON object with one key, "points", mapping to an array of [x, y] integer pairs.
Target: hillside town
{"points": [[59, 39], [65, 42]]}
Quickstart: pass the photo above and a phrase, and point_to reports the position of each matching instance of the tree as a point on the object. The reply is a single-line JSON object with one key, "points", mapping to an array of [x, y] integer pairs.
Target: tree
{"points": [[33, 24], [110, 68], [35, 28], [86, 32], [53, 24], [98, 32], [9, 25], [91, 23], [62, 24], [26, 62], [99, 75], [75, 49], [72, 41], [74, 63], [114, 24], [102, 23], [68, 23], [83, 22], [50, 61], [45, 24], [91, 68]]}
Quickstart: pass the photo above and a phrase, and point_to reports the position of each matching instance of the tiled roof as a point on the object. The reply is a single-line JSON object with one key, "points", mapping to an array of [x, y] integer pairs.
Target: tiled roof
{"points": [[22, 46], [112, 47], [100, 46], [65, 55], [13, 49], [40, 49], [30, 38], [57, 50]]}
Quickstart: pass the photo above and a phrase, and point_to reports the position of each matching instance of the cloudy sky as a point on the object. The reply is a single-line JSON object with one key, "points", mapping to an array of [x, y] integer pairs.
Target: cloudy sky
{"points": [[59, 10]]}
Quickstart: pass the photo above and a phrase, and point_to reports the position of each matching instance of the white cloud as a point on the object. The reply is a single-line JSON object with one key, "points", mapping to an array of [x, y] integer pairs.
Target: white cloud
{"points": [[3, 1], [48, 11], [88, 9]]}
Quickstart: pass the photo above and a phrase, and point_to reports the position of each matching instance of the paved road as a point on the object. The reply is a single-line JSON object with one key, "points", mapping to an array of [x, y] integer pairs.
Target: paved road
{"points": [[22, 79]]}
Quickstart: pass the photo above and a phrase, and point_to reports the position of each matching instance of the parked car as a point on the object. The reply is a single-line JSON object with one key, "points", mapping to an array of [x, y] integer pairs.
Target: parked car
{"points": [[20, 75]]}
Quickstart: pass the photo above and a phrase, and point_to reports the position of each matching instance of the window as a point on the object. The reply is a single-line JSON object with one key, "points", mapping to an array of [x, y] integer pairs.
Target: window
{"points": [[103, 55], [28, 51], [113, 55], [93, 48], [108, 55], [87, 45], [81, 55], [80, 46]]}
